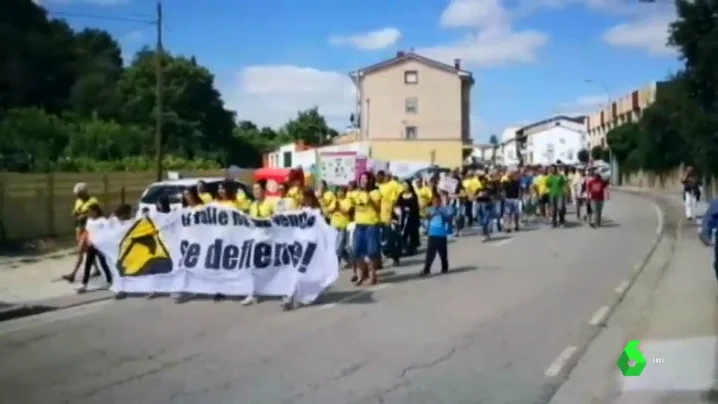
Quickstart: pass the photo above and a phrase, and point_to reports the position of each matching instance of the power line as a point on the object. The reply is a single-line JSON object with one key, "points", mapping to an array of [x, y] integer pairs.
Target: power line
{"points": [[102, 17]]}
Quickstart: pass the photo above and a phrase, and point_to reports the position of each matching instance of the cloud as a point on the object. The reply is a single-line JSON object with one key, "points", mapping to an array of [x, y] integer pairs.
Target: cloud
{"points": [[583, 105], [647, 33], [272, 95], [493, 41], [474, 13], [372, 40]]}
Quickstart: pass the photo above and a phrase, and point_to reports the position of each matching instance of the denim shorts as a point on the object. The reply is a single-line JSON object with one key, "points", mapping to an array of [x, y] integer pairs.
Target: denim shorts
{"points": [[511, 207], [366, 242]]}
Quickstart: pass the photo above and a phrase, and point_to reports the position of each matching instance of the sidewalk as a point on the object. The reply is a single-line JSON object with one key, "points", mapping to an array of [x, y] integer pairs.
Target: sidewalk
{"points": [[672, 310], [29, 288]]}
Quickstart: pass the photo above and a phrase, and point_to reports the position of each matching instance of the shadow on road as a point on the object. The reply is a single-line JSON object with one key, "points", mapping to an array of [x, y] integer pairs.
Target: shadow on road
{"points": [[414, 276], [356, 296]]}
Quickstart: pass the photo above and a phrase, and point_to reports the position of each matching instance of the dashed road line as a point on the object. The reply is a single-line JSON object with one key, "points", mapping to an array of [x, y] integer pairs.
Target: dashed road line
{"points": [[557, 365], [622, 287], [659, 226], [599, 316]]}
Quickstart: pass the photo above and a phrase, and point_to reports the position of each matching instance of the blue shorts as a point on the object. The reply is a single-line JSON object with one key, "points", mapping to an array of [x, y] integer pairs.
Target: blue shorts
{"points": [[366, 242], [511, 207]]}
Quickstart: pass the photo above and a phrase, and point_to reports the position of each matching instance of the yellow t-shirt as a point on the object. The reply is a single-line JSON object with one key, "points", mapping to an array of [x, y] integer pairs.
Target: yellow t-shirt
{"points": [[364, 212], [352, 194], [390, 192], [206, 197], [424, 194], [340, 217], [471, 187], [81, 207], [325, 202], [242, 201], [261, 210], [295, 193], [540, 184]]}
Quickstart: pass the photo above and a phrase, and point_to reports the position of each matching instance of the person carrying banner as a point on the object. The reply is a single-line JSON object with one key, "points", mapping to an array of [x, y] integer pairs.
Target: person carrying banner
{"points": [[285, 202], [191, 198], [226, 195], [202, 191], [326, 198], [261, 207], [340, 213], [91, 253], [366, 240]]}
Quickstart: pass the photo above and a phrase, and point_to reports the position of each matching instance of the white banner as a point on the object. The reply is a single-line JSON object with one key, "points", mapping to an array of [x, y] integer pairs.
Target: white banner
{"points": [[218, 249]]}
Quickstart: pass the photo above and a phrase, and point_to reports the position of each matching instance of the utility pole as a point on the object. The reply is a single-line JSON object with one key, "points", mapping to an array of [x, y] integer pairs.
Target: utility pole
{"points": [[159, 52]]}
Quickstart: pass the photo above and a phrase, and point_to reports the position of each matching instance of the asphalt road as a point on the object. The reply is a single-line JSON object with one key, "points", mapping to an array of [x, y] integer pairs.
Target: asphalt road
{"points": [[493, 331]]}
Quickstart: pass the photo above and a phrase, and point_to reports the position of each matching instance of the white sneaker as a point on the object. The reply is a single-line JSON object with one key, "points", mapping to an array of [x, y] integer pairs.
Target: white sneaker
{"points": [[249, 300], [81, 289], [287, 303]]}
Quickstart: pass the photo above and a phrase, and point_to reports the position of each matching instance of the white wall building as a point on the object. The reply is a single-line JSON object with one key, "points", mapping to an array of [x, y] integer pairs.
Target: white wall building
{"points": [[558, 138], [507, 148]]}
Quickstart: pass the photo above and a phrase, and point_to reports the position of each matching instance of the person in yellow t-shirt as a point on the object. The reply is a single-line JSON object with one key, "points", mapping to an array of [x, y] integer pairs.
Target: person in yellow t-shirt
{"points": [[226, 195], [390, 191], [81, 208], [352, 190], [285, 202], [295, 191], [541, 190], [367, 237], [423, 191], [260, 208], [471, 185], [191, 198], [202, 191], [243, 200], [326, 198], [340, 214]]}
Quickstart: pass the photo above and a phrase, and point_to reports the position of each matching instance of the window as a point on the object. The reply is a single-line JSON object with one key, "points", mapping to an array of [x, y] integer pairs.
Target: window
{"points": [[287, 159], [411, 77], [410, 132], [411, 105]]}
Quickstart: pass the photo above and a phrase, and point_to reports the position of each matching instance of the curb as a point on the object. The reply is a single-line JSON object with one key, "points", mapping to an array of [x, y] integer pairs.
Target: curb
{"points": [[49, 305], [579, 350], [13, 263]]}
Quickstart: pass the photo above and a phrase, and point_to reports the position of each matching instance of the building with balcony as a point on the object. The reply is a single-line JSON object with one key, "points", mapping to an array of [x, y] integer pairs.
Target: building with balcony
{"points": [[413, 108], [545, 142], [627, 108]]}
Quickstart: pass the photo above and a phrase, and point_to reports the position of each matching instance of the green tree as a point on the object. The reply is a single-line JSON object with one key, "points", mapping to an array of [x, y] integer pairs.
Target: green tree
{"points": [[583, 156], [311, 127], [31, 139], [695, 35], [99, 67], [37, 54], [196, 124], [596, 152], [623, 142]]}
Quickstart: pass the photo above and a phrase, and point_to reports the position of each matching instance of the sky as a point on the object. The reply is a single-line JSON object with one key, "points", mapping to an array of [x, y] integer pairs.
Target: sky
{"points": [[531, 59]]}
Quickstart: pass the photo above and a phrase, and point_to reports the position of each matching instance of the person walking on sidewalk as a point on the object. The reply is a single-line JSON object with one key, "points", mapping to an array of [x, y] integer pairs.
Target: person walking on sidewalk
{"points": [[708, 228], [440, 216], [691, 192]]}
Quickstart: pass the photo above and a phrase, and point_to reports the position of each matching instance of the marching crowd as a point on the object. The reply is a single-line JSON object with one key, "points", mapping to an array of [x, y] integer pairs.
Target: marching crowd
{"points": [[382, 216]]}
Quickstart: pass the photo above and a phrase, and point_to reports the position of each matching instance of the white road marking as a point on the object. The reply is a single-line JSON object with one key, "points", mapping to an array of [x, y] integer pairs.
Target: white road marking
{"points": [[51, 317], [659, 227], [355, 295], [502, 242], [621, 288], [600, 315], [557, 365]]}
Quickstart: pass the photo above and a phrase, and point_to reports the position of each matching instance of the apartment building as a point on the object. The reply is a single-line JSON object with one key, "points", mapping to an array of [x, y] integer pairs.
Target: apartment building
{"points": [[627, 108], [413, 108]]}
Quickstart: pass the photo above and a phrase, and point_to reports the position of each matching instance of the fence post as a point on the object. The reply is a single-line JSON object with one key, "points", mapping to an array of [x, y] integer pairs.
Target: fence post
{"points": [[51, 204], [105, 191]]}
